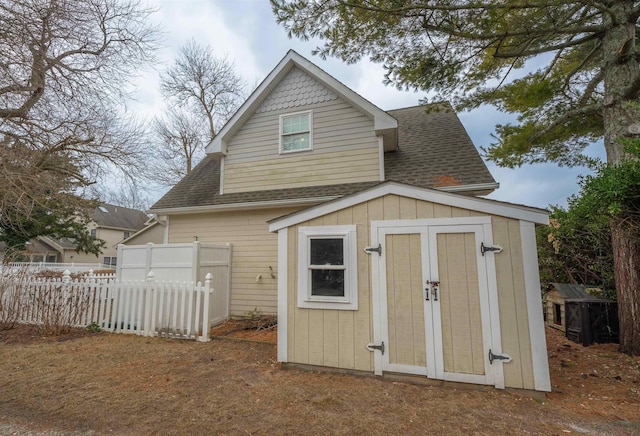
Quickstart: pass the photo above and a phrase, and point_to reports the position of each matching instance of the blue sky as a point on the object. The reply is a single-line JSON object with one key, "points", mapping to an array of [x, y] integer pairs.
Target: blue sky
{"points": [[245, 32]]}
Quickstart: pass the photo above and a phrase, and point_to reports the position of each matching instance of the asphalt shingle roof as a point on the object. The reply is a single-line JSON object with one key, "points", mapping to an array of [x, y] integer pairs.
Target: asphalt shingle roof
{"points": [[434, 150], [569, 290], [118, 217]]}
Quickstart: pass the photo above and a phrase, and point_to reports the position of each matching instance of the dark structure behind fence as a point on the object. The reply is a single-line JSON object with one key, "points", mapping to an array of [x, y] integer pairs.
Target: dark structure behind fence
{"points": [[591, 320]]}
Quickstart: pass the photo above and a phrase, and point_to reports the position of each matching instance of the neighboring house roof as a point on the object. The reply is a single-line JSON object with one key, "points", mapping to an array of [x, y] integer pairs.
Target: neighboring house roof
{"points": [[434, 150], [105, 216], [118, 217], [568, 290], [58, 244], [146, 228]]}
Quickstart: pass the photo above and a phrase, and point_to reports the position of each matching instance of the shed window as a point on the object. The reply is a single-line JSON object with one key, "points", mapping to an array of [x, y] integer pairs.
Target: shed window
{"points": [[327, 273], [296, 132]]}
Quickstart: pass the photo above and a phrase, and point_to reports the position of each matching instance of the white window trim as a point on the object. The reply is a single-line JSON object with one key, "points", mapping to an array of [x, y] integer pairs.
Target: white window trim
{"points": [[282, 117], [350, 299]]}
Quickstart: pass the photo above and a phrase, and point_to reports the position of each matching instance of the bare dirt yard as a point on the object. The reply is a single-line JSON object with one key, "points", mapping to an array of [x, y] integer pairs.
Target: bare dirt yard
{"points": [[115, 384]]}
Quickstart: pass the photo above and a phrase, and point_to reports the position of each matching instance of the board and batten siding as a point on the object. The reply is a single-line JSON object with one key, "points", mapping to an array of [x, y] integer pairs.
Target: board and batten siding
{"points": [[254, 249], [337, 338], [345, 149]]}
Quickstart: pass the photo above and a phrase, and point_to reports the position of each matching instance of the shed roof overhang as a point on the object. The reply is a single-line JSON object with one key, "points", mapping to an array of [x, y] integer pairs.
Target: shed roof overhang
{"points": [[492, 207]]}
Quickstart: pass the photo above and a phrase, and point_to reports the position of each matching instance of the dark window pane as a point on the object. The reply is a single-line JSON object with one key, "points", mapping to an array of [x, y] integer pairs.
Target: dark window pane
{"points": [[327, 282], [327, 252]]}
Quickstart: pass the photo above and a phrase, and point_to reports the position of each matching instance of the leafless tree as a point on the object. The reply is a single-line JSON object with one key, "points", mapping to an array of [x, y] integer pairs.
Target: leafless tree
{"points": [[201, 93], [64, 72]]}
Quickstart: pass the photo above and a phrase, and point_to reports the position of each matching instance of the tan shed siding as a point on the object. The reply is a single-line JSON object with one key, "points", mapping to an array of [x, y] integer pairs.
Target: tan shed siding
{"points": [[254, 250], [335, 338], [330, 338], [514, 320], [345, 150]]}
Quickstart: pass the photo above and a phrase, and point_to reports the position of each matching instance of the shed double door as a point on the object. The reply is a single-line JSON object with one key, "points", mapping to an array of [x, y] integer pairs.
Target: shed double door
{"points": [[434, 303]]}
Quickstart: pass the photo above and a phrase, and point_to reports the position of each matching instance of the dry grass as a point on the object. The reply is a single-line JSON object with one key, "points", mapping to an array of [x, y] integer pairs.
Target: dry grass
{"points": [[109, 383]]}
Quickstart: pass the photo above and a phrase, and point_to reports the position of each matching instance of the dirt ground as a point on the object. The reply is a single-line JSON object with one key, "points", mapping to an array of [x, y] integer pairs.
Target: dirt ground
{"points": [[119, 384]]}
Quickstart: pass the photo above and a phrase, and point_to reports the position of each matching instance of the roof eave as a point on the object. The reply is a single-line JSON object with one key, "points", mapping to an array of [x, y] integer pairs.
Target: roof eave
{"points": [[244, 205]]}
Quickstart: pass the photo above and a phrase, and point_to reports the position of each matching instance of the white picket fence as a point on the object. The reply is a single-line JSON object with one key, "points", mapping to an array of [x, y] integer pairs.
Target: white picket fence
{"points": [[147, 308], [52, 266]]}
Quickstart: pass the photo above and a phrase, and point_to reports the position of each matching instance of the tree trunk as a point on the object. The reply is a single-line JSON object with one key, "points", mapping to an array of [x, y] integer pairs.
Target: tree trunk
{"points": [[626, 258], [620, 112]]}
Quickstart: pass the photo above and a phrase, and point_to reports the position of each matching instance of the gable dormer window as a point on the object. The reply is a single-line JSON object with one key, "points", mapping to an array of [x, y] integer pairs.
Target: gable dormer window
{"points": [[296, 132]]}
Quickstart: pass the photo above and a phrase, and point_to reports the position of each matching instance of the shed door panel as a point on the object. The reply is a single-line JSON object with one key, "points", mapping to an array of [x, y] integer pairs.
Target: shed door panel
{"points": [[442, 331], [405, 303], [462, 347]]}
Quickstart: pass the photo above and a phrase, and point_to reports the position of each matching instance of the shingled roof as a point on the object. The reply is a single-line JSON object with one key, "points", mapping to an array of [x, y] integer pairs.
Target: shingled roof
{"points": [[434, 151], [118, 217]]}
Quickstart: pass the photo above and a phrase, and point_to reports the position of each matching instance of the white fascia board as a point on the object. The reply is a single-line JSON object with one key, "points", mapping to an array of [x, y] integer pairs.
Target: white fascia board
{"points": [[139, 232], [218, 144], [124, 229], [53, 244], [491, 207], [242, 206], [470, 188], [381, 119]]}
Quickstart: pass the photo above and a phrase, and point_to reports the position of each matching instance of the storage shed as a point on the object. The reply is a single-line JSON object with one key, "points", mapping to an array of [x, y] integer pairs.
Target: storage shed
{"points": [[554, 298], [399, 279]]}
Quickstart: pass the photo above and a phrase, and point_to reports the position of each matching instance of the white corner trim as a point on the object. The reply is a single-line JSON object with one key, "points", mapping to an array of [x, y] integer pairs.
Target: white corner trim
{"points": [[283, 304], [492, 207], [541, 378], [165, 238], [221, 175], [381, 157]]}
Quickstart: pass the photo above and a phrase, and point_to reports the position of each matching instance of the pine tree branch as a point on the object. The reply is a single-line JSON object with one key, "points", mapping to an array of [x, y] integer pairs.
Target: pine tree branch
{"points": [[546, 49], [473, 6], [566, 116]]}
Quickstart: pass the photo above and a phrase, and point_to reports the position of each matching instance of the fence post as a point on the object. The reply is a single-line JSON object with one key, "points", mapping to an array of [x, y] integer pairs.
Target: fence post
{"points": [[206, 315], [150, 305], [67, 296]]}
